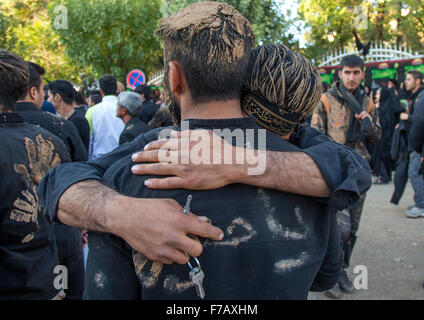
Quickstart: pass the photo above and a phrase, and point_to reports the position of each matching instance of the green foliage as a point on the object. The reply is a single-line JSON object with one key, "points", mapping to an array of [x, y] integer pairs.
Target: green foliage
{"points": [[332, 23], [7, 34], [26, 26], [113, 36]]}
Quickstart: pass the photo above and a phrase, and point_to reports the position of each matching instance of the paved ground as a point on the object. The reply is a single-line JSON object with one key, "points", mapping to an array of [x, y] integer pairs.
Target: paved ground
{"points": [[391, 246]]}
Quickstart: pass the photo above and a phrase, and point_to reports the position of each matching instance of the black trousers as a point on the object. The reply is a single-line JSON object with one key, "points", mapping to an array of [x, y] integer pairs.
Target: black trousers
{"points": [[348, 224]]}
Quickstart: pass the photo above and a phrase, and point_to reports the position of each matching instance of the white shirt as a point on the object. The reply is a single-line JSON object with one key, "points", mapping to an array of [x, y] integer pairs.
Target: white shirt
{"points": [[106, 128]]}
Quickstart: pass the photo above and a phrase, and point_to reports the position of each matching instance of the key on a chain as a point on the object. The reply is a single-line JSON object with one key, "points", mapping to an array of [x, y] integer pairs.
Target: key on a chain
{"points": [[196, 276], [186, 210]]}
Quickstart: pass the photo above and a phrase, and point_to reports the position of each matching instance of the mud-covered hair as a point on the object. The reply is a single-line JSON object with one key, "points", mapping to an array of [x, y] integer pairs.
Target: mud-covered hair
{"points": [[14, 76], [212, 42], [281, 89]]}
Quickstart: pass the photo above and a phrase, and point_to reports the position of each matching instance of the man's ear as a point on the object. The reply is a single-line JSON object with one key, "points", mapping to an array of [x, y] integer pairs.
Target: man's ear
{"points": [[33, 93], [57, 97], [340, 74], [176, 78]]}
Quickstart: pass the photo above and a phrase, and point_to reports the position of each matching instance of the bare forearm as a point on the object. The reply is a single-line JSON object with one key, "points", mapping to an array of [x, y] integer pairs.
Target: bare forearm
{"points": [[89, 205], [294, 172]]}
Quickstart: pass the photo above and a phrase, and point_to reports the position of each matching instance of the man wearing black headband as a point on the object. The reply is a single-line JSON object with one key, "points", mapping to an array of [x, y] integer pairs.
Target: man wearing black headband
{"points": [[347, 115], [144, 220]]}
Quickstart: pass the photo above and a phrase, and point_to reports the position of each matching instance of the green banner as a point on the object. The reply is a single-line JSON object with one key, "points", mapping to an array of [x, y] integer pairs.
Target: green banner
{"points": [[388, 73], [327, 78], [419, 68]]}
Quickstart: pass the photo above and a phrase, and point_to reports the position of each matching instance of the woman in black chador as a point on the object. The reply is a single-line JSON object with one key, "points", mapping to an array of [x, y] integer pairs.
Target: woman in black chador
{"points": [[389, 108]]}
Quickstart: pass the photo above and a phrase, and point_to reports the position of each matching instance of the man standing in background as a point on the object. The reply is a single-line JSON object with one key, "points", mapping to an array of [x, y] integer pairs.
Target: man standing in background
{"points": [[346, 114], [104, 125]]}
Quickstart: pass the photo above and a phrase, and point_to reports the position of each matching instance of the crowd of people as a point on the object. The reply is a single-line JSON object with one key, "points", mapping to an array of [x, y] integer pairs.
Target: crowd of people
{"points": [[84, 185]]}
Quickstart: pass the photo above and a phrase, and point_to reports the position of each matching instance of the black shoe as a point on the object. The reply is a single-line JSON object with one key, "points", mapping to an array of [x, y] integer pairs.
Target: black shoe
{"points": [[344, 283]]}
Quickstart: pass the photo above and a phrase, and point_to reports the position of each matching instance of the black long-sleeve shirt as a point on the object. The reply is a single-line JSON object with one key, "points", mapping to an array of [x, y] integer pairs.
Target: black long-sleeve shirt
{"points": [[276, 246], [132, 130], [346, 173], [63, 129], [81, 123], [28, 251], [416, 133]]}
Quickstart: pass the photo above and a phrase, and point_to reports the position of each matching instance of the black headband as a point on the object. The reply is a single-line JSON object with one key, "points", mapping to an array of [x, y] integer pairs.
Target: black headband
{"points": [[269, 115]]}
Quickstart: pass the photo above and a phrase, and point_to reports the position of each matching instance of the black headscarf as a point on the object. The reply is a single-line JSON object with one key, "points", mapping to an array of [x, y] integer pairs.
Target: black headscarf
{"points": [[389, 110]]}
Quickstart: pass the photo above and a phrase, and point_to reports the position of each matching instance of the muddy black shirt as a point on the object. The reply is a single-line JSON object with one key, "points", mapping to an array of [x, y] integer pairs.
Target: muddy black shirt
{"points": [[276, 246], [132, 130], [61, 128], [28, 252]]}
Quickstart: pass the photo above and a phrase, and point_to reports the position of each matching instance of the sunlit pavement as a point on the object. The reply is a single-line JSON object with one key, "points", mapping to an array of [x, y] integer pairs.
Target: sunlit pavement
{"points": [[390, 246]]}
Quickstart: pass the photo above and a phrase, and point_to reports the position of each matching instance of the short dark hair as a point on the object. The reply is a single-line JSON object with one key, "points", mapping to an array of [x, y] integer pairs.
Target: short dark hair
{"points": [[95, 97], [416, 74], [63, 88], [145, 90], [213, 52], [351, 61], [108, 85], [79, 98], [35, 73], [14, 77]]}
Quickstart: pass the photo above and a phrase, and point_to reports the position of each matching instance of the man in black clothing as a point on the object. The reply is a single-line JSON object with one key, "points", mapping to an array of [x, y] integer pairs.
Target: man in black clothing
{"points": [[128, 110], [29, 106], [29, 109], [149, 108], [413, 83], [416, 135], [277, 242], [61, 94], [28, 251]]}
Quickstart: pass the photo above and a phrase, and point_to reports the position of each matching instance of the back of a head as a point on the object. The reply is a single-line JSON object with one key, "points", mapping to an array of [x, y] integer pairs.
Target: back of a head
{"points": [[162, 118], [351, 61], [131, 101], [79, 98], [14, 76], [283, 85], [35, 73], [145, 90], [63, 88], [212, 42], [108, 85], [120, 87], [95, 98]]}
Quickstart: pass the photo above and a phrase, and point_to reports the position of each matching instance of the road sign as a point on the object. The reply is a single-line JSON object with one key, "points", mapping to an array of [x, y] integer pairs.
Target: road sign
{"points": [[135, 78]]}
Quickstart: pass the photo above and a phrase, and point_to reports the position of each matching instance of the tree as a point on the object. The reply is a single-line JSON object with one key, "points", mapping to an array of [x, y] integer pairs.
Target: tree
{"points": [[113, 36], [7, 35], [25, 30], [332, 23]]}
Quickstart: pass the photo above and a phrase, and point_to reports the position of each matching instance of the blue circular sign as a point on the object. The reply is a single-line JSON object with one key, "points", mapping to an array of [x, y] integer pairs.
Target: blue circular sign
{"points": [[135, 78]]}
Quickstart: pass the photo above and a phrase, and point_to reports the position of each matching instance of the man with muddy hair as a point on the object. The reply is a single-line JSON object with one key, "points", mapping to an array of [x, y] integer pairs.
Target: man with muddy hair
{"points": [[28, 251], [77, 194], [276, 242]]}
